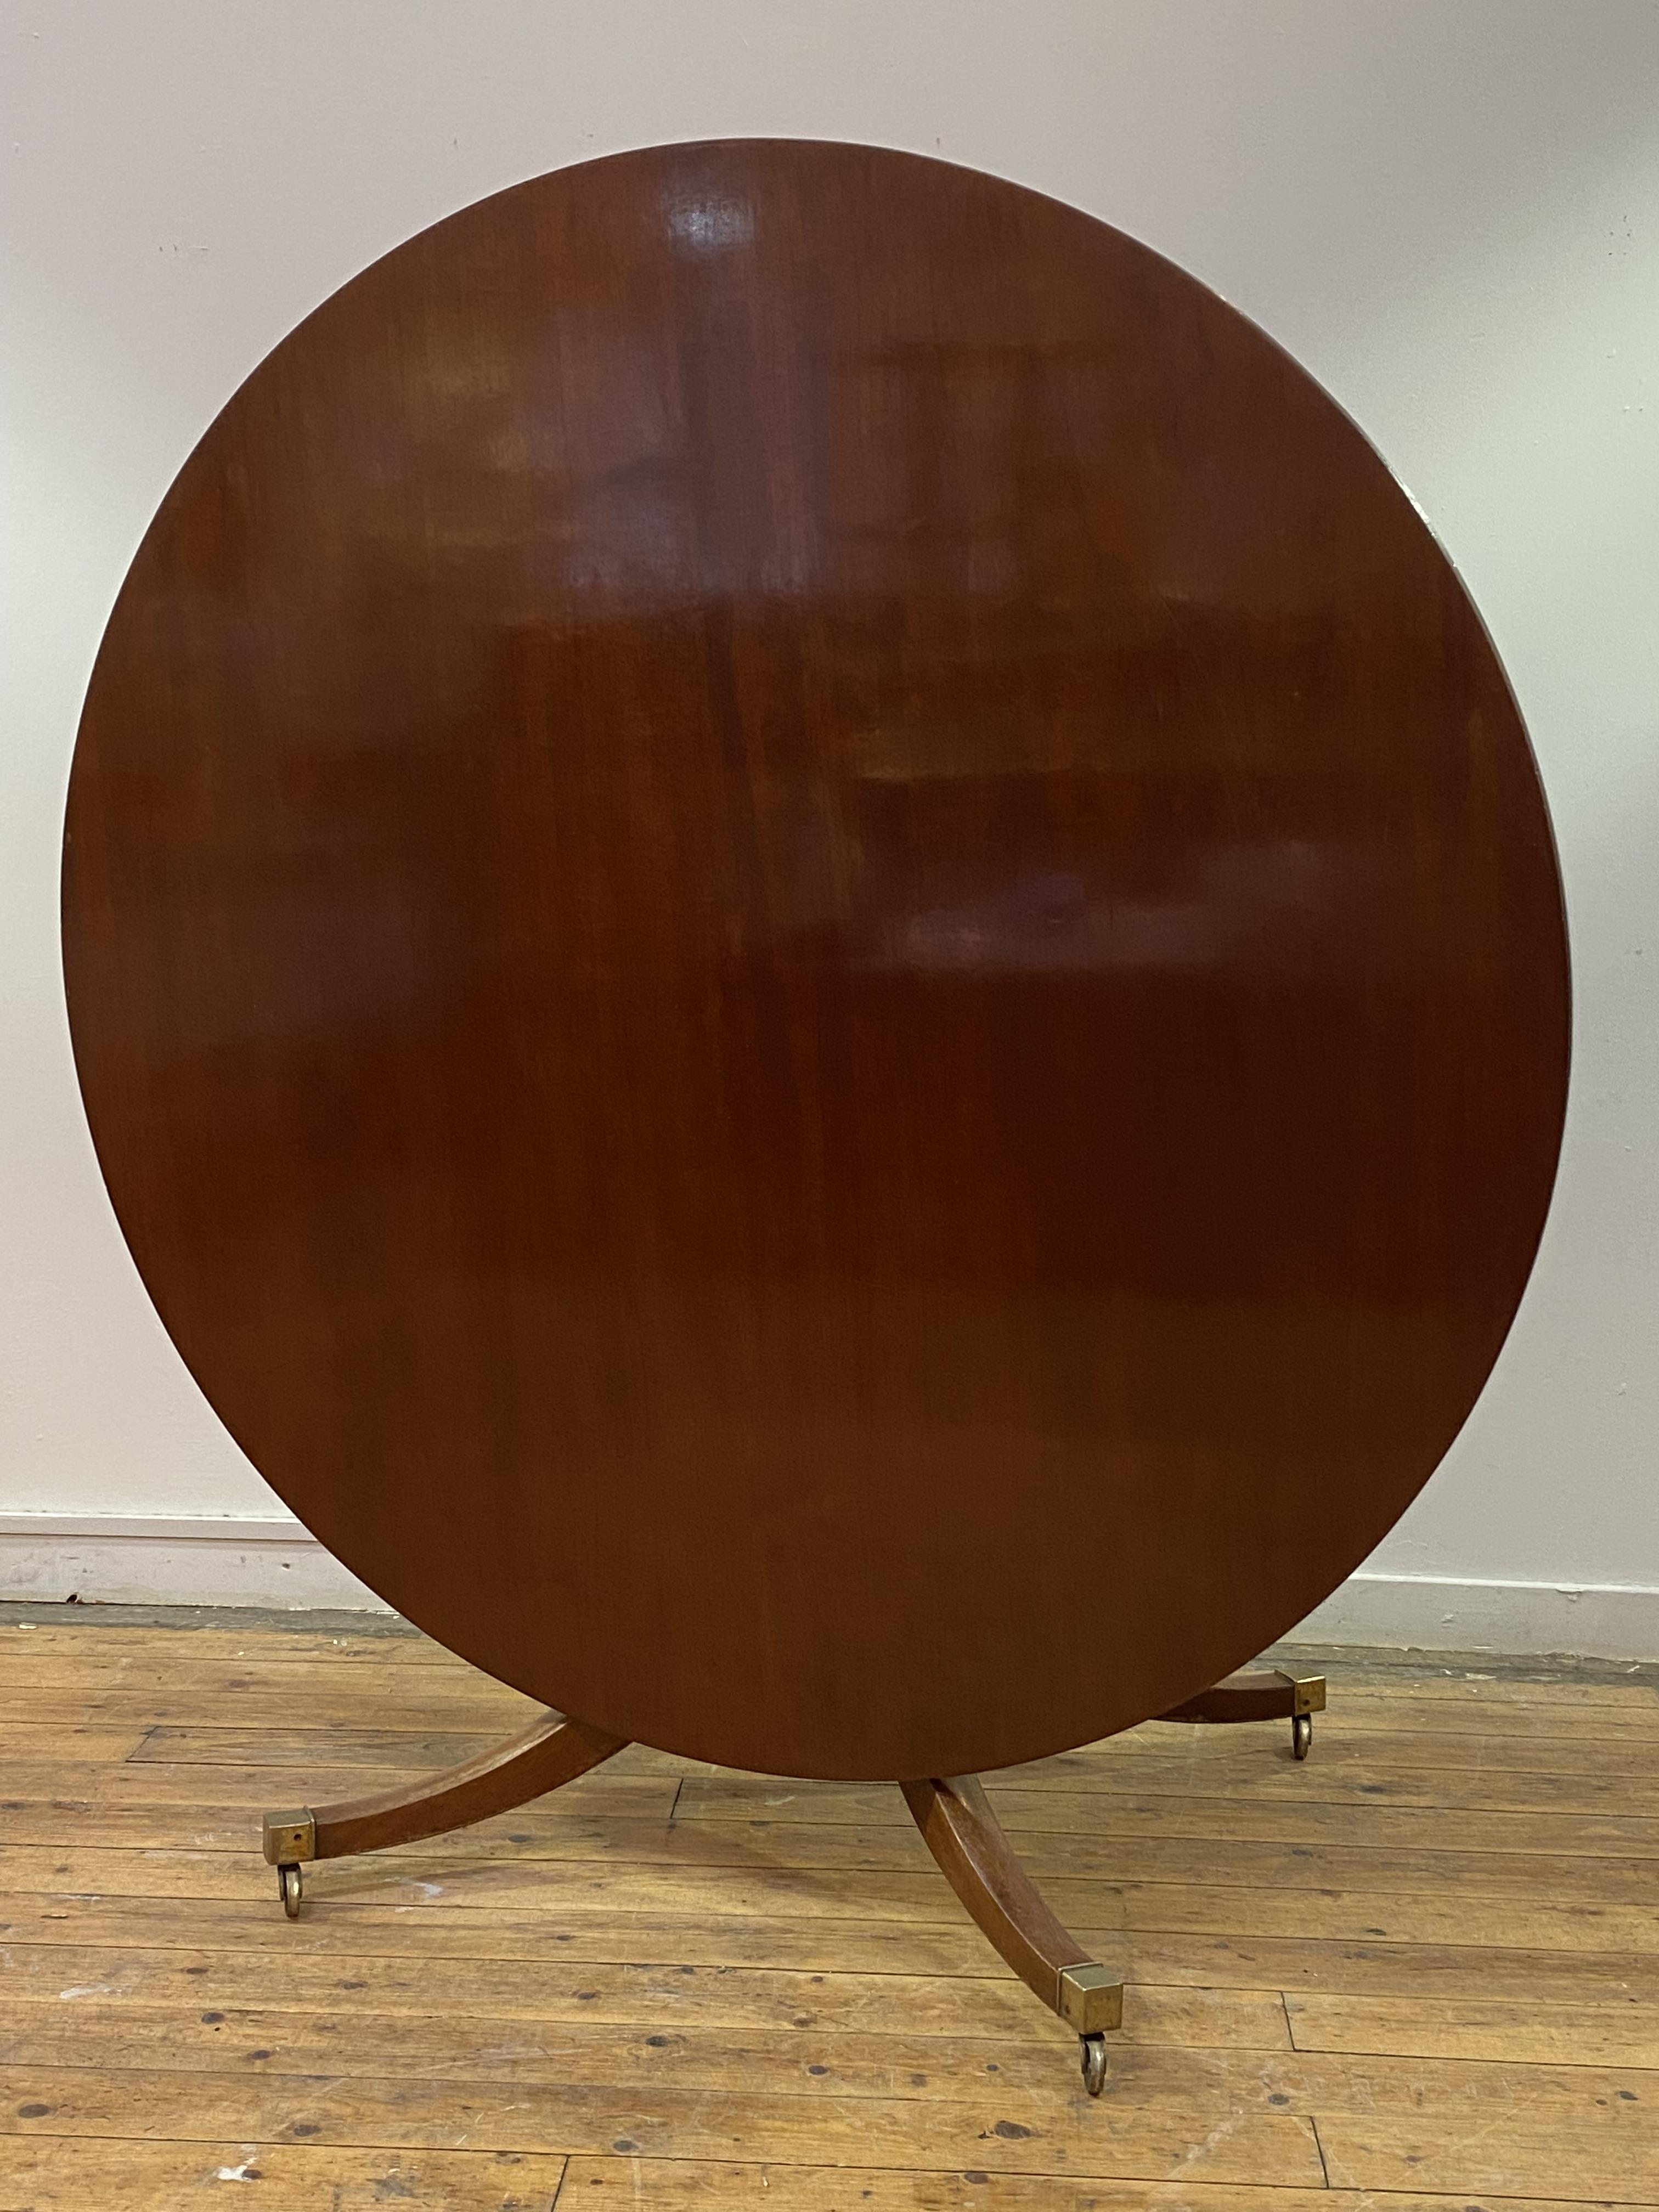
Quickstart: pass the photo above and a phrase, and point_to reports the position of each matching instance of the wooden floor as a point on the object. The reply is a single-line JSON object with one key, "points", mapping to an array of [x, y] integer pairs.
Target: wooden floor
{"points": [[1419, 1970]]}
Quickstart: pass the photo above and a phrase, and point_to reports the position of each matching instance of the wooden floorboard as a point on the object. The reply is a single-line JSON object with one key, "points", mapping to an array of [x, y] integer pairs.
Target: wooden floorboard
{"points": [[1419, 1973]]}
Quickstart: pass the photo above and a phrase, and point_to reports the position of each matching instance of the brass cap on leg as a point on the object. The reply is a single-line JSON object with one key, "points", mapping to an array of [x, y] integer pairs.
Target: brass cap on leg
{"points": [[289, 1838], [1090, 1999], [1308, 1692]]}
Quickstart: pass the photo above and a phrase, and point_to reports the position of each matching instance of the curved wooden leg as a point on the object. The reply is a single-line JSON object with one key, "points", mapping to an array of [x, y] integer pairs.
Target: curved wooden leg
{"points": [[1260, 1694], [966, 1837], [553, 1750]]}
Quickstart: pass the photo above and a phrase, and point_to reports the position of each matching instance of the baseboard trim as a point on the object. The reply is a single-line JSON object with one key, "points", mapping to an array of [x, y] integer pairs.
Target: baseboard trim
{"points": [[270, 1560], [1431, 1613], [120, 1559]]}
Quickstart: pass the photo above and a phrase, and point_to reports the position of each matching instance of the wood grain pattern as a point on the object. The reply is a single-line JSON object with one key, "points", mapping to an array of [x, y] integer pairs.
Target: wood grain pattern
{"points": [[1097, 1911], [362, 2110], [112, 1986], [790, 886], [750, 2005], [822, 2066], [638, 1831], [963, 1836], [63, 2174], [548, 1755], [426, 1928], [680, 2186]]}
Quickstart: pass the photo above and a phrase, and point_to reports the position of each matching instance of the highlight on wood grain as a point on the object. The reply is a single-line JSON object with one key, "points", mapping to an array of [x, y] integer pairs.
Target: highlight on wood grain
{"points": [[884, 883]]}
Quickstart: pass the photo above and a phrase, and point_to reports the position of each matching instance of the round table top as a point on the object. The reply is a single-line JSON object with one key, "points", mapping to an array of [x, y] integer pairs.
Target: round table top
{"points": [[815, 957]]}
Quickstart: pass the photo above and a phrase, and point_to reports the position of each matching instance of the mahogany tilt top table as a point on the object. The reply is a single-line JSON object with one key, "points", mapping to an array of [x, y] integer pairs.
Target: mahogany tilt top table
{"points": [[819, 969]]}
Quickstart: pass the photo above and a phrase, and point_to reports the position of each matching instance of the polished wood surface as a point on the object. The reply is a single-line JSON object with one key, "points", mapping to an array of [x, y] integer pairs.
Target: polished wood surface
{"points": [[1418, 1974], [544, 1757], [815, 957], [1256, 1694], [967, 1842]]}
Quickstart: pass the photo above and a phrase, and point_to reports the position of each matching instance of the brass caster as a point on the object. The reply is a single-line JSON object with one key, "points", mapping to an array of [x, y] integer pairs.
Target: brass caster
{"points": [[1301, 1735], [1092, 2051], [288, 1886]]}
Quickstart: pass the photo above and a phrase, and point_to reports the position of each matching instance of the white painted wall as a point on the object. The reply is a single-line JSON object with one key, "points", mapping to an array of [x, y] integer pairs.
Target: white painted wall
{"points": [[1449, 211]]}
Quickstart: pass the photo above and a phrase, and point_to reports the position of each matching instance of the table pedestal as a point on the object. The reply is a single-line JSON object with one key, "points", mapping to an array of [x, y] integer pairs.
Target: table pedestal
{"points": [[954, 1816]]}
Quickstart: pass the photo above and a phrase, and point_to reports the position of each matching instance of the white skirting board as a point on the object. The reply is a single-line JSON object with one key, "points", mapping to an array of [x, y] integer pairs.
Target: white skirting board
{"points": [[114, 1560], [1427, 1613], [171, 1559]]}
